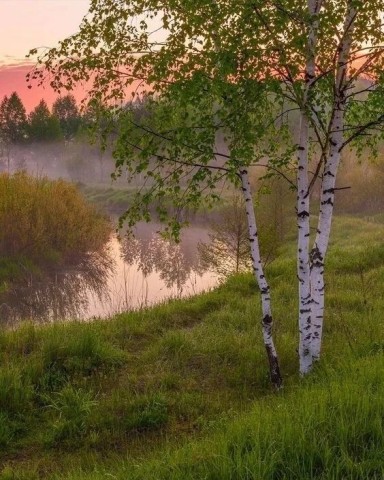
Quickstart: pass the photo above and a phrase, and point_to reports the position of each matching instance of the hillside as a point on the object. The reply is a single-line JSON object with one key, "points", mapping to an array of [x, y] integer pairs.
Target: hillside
{"points": [[181, 391]]}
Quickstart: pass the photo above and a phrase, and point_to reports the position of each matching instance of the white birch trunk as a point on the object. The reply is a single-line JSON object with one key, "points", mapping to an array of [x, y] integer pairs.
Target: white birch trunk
{"points": [[303, 268], [303, 261], [267, 321], [327, 196]]}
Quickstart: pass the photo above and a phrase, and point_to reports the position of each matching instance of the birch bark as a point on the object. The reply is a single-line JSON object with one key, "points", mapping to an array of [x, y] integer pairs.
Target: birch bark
{"points": [[258, 271], [267, 321], [303, 270], [303, 207], [327, 196]]}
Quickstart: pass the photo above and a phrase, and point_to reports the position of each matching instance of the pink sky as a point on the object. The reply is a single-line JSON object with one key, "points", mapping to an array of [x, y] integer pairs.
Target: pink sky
{"points": [[26, 24]]}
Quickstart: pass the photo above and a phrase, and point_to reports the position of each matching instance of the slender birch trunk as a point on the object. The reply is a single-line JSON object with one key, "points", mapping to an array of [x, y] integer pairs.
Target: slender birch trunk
{"points": [[303, 259], [267, 321], [303, 268], [327, 196]]}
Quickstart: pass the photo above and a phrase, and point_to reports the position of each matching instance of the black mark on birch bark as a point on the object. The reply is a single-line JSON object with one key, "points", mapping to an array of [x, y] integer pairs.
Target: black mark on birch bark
{"points": [[303, 214], [274, 368]]}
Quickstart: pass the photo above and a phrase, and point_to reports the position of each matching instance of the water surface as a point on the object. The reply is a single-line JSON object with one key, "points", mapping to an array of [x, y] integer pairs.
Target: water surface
{"points": [[130, 273]]}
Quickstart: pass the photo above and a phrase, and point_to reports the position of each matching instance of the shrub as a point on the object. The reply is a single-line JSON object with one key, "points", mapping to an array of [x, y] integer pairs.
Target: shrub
{"points": [[44, 222]]}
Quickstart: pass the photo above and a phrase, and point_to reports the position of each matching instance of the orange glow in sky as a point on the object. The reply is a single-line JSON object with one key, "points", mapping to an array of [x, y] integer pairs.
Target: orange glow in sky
{"points": [[26, 24]]}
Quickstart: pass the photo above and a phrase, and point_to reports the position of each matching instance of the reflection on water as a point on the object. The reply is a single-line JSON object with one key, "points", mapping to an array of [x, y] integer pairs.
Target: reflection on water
{"points": [[150, 270], [128, 274], [59, 294], [167, 258]]}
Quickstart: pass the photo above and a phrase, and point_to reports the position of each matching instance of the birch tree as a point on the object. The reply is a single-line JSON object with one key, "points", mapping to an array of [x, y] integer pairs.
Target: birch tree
{"points": [[201, 86], [175, 147], [219, 67], [331, 47]]}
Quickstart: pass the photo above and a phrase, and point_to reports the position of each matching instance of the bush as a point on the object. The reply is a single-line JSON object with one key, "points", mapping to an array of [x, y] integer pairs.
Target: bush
{"points": [[43, 223]]}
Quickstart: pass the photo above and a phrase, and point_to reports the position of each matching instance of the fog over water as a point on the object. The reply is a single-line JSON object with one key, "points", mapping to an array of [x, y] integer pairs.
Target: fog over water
{"points": [[134, 273], [131, 272]]}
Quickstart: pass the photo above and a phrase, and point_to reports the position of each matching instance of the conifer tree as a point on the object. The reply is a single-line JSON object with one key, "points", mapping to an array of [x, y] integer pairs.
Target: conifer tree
{"points": [[43, 126]]}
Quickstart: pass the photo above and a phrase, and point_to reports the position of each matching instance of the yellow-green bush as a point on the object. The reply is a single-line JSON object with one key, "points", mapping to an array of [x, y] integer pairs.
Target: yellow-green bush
{"points": [[44, 222]]}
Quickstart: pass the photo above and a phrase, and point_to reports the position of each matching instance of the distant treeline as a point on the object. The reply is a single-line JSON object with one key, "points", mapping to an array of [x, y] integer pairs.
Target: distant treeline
{"points": [[63, 122], [55, 142]]}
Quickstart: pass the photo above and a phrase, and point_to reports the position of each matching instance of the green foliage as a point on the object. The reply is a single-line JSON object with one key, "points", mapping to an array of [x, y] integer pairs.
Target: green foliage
{"points": [[225, 70], [84, 351], [71, 408], [371, 94], [187, 149], [44, 222], [365, 179], [228, 251], [15, 473], [65, 109], [174, 133], [183, 387], [15, 390], [112, 199], [6, 430], [42, 126], [148, 413], [221, 72], [278, 440]]}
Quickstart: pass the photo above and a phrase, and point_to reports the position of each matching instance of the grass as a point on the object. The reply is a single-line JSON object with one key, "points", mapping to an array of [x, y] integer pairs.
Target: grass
{"points": [[181, 391], [113, 199]]}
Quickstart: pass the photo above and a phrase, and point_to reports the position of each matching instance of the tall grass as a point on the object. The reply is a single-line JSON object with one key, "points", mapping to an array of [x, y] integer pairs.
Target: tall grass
{"points": [[181, 391], [328, 429]]}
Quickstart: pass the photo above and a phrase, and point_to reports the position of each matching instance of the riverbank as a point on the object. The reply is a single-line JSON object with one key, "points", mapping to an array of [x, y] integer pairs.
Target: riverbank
{"points": [[181, 391], [114, 200]]}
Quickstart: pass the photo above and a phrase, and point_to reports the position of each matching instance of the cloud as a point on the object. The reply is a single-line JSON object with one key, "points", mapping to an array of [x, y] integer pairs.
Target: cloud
{"points": [[15, 63]]}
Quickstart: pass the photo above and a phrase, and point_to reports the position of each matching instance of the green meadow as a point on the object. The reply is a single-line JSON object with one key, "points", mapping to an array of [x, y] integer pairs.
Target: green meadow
{"points": [[181, 391]]}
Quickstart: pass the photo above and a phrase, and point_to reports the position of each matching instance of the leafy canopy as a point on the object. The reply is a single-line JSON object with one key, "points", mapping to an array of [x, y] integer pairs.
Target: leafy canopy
{"points": [[216, 70]]}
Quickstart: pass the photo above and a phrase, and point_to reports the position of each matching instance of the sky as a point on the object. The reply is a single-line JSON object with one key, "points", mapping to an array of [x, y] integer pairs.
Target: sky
{"points": [[26, 24]]}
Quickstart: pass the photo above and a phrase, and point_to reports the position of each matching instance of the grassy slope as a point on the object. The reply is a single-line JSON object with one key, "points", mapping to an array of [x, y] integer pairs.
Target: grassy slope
{"points": [[181, 391]]}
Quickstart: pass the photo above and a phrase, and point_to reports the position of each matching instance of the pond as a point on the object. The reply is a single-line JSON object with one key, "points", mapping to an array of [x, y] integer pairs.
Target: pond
{"points": [[129, 274]]}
